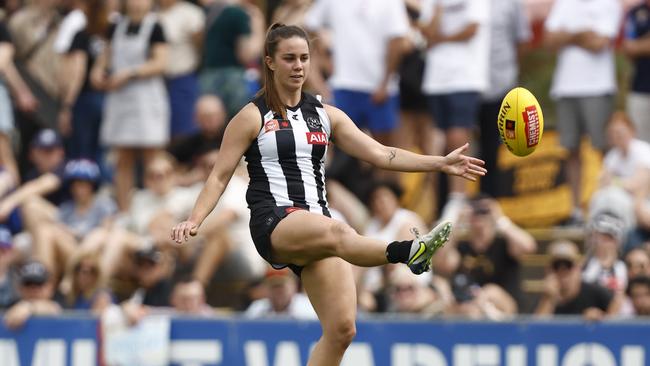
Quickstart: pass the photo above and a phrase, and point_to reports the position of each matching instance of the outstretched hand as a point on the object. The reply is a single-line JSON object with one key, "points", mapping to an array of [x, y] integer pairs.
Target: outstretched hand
{"points": [[456, 163], [182, 231]]}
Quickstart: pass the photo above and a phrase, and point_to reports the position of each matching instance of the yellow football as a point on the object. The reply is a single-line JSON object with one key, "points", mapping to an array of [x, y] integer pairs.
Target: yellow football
{"points": [[520, 121]]}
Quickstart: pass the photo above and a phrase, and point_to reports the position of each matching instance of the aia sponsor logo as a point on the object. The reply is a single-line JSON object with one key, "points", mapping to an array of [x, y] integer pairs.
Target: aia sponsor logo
{"points": [[271, 125], [510, 129], [317, 138], [531, 120]]}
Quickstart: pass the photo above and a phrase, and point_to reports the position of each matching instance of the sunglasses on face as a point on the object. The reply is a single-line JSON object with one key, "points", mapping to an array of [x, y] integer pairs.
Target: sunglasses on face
{"points": [[561, 264], [32, 284]]}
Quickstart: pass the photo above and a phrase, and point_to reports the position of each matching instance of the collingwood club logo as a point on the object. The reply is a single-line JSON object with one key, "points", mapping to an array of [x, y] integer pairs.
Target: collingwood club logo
{"points": [[313, 123]]}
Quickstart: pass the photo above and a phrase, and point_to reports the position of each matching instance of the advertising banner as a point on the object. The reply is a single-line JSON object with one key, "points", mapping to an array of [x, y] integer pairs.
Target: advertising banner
{"points": [[234, 342]]}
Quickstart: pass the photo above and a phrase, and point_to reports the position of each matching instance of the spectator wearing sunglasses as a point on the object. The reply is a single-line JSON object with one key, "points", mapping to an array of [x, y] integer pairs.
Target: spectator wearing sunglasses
{"points": [[36, 290], [490, 253], [87, 289], [565, 291]]}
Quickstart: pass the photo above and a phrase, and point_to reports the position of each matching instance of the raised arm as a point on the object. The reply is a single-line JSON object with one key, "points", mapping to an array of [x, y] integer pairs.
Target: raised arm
{"points": [[239, 134], [361, 146]]}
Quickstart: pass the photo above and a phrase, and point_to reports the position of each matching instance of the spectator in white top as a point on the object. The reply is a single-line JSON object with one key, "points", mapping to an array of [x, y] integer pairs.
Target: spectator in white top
{"points": [[584, 82], [456, 74], [73, 22], [183, 24], [188, 298], [626, 171], [367, 41], [136, 110], [36, 288], [282, 298], [388, 222], [629, 158], [510, 33], [228, 252]]}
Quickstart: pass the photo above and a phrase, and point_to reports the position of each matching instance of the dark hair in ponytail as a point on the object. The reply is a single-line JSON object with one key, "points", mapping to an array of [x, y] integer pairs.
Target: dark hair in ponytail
{"points": [[276, 33]]}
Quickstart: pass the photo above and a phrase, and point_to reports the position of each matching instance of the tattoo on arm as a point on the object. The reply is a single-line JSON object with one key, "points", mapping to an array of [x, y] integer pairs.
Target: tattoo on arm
{"points": [[391, 156]]}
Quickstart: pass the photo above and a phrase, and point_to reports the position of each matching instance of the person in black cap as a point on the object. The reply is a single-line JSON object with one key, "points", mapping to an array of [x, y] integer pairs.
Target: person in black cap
{"points": [[43, 180], [36, 291], [153, 276], [565, 291]]}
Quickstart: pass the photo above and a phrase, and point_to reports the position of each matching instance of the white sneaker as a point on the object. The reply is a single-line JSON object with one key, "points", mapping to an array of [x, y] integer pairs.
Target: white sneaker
{"points": [[429, 244]]}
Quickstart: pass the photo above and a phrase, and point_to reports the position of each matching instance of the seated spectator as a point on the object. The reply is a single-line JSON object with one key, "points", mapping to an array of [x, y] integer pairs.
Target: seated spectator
{"points": [[282, 298], [490, 253], [160, 196], [87, 210], [87, 289], [604, 240], [188, 298], [42, 181], [637, 262], [486, 302], [638, 290], [210, 117], [409, 295], [566, 293], [227, 249], [388, 222], [36, 290], [9, 257], [56, 238], [153, 274]]}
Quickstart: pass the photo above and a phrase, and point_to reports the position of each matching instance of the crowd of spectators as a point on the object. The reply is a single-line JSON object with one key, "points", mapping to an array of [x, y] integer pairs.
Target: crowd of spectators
{"points": [[112, 113]]}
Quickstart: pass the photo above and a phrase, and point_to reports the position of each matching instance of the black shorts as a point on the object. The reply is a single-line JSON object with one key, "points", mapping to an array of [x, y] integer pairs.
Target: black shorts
{"points": [[263, 222]]}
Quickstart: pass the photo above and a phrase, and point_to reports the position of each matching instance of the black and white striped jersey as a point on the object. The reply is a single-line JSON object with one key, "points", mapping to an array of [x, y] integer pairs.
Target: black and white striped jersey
{"points": [[286, 162]]}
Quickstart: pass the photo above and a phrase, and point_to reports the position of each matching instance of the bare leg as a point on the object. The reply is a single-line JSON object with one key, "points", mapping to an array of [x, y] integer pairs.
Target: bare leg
{"points": [[113, 244], [213, 252], [7, 158], [303, 237], [124, 177], [341, 199], [36, 211], [329, 283], [53, 246]]}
